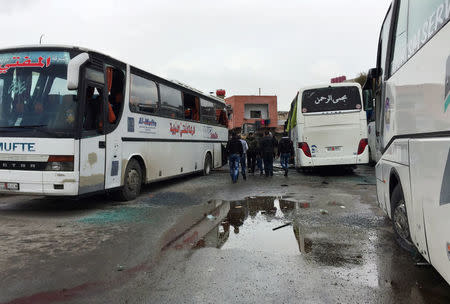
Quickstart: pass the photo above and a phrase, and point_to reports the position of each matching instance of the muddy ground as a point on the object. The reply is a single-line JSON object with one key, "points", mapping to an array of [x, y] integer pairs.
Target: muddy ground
{"points": [[309, 238]]}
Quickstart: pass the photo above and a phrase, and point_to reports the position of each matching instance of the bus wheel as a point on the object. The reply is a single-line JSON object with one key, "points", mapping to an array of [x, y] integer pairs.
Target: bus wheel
{"points": [[400, 220], [133, 181], [208, 164]]}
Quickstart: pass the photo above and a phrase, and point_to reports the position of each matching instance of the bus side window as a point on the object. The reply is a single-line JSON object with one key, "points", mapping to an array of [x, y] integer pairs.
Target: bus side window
{"points": [[191, 107], [399, 49], [171, 102], [143, 95], [115, 81], [93, 118]]}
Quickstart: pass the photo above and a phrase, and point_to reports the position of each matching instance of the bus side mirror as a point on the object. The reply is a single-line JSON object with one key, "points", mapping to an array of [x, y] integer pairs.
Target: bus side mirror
{"points": [[73, 70], [374, 73]]}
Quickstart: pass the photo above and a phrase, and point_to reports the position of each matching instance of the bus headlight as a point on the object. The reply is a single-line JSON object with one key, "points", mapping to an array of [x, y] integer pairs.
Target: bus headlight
{"points": [[60, 163]]}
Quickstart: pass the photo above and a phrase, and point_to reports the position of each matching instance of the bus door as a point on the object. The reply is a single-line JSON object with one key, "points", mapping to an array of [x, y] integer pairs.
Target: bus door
{"points": [[92, 142], [115, 88]]}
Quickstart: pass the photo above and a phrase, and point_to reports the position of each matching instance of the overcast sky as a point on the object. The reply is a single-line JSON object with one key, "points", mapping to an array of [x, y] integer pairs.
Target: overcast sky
{"points": [[240, 46]]}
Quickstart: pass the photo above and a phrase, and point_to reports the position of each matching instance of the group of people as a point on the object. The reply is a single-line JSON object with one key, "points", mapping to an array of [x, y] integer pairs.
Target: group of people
{"points": [[258, 152]]}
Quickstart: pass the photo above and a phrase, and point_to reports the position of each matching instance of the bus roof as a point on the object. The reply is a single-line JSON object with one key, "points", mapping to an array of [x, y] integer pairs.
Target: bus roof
{"points": [[83, 49]]}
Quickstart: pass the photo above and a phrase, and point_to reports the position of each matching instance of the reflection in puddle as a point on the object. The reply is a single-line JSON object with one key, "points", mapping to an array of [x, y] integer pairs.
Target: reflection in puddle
{"points": [[264, 224]]}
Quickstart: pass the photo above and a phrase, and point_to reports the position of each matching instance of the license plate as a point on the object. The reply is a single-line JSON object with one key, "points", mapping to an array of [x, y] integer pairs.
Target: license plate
{"points": [[9, 186], [335, 148]]}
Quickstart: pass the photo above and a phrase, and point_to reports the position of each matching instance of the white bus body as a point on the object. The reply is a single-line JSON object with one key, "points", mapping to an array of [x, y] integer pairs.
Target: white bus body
{"points": [[331, 127], [58, 135], [412, 125]]}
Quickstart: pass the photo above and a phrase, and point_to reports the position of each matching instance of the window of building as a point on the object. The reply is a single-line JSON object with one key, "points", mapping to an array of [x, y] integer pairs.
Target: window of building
{"points": [[143, 95], [255, 114], [171, 102], [256, 111]]}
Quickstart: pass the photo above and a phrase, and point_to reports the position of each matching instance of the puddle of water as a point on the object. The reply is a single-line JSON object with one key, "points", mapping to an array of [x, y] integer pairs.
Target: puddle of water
{"points": [[265, 224]]}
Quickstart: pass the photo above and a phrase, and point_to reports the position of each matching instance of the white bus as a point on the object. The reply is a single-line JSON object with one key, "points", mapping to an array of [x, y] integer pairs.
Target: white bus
{"points": [[74, 121], [328, 126], [413, 126]]}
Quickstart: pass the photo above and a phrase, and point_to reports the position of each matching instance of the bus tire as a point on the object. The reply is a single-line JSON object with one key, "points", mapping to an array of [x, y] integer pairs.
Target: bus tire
{"points": [[132, 181], [400, 221], [207, 165]]}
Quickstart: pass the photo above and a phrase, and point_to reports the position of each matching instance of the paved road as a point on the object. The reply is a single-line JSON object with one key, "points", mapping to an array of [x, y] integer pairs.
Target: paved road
{"points": [[205, 240]]}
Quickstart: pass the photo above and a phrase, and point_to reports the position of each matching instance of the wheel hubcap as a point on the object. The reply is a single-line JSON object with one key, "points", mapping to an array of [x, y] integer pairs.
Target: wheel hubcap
{"points": [[401, 221], [133, 180]]}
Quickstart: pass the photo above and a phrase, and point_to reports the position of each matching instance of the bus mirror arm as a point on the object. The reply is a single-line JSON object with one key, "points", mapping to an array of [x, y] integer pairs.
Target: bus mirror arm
{"points": [[73, 70]]}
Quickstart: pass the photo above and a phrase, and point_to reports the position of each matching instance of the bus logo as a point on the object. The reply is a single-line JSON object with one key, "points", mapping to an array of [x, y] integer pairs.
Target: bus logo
{"points": [[17, 146]]}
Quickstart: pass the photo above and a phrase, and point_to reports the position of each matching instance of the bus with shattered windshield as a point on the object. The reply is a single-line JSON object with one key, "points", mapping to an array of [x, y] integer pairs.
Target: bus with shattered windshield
{"points": [[411, 88], [328, 126], [74, 121]]}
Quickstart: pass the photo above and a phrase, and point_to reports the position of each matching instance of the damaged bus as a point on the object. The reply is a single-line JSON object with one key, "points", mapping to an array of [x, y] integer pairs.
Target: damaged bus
{"points": [[74, 121]]}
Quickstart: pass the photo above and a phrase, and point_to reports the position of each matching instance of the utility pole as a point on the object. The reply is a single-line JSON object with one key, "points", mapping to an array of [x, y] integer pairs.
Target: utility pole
{"points": [[259, 91]]}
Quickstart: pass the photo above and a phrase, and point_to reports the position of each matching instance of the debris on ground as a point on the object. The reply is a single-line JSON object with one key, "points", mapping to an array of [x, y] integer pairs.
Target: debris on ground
{"points": [[325, 182], [323, 211], [282, 226], [120, 268], [304, 205], [210, 217]]}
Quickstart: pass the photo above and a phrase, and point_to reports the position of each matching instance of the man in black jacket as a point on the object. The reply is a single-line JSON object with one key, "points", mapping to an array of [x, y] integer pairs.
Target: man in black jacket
{"points": [[234, 151], [267, 150], [285, 150]]}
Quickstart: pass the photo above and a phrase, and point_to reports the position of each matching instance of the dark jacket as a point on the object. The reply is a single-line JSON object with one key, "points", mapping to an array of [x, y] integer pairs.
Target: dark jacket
{"points": [[234, 146], [252, 145], [267, 144], [285, 146]]}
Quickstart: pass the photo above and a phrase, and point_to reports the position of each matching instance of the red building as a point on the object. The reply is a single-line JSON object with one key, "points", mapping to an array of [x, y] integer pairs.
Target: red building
{"points": [[256, 110]]}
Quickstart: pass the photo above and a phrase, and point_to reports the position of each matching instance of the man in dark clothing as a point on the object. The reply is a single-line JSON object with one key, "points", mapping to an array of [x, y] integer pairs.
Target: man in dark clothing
{"points": [[235, 152], [251, 153], [267, 149], [259, 161], [285, 150]]}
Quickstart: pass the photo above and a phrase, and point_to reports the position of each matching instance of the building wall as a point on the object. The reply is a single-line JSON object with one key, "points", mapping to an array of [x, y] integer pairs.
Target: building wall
{"points": [[239, 116]]}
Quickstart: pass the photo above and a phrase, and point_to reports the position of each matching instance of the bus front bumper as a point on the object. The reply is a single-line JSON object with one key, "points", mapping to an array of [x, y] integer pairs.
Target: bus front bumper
{"points": [[39, 182]]}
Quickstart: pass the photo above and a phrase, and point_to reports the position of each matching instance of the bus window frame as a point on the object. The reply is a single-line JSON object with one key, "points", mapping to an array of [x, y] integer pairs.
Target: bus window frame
{"points": [[396, 11], [161, 81], [110, 127], [82, 106], [146, 76]]}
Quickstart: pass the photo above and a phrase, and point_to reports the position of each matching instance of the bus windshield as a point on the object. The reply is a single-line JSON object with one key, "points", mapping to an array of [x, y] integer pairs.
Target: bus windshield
{"points": [[331, 99], [33, 93]]}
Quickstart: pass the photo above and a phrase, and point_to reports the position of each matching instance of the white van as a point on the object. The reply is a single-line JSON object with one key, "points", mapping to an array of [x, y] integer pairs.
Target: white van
{"points": [[328, 126]]}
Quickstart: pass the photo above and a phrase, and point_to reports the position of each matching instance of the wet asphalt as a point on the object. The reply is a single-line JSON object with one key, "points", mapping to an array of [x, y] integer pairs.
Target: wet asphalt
{"points": [[308, 238]]}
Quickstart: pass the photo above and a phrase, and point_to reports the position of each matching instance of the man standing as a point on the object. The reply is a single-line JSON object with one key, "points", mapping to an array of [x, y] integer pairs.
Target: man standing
{"points": [[267, 149], [243, 157], [234, 151], [259, 161], [251, 153], [285, 150]]}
